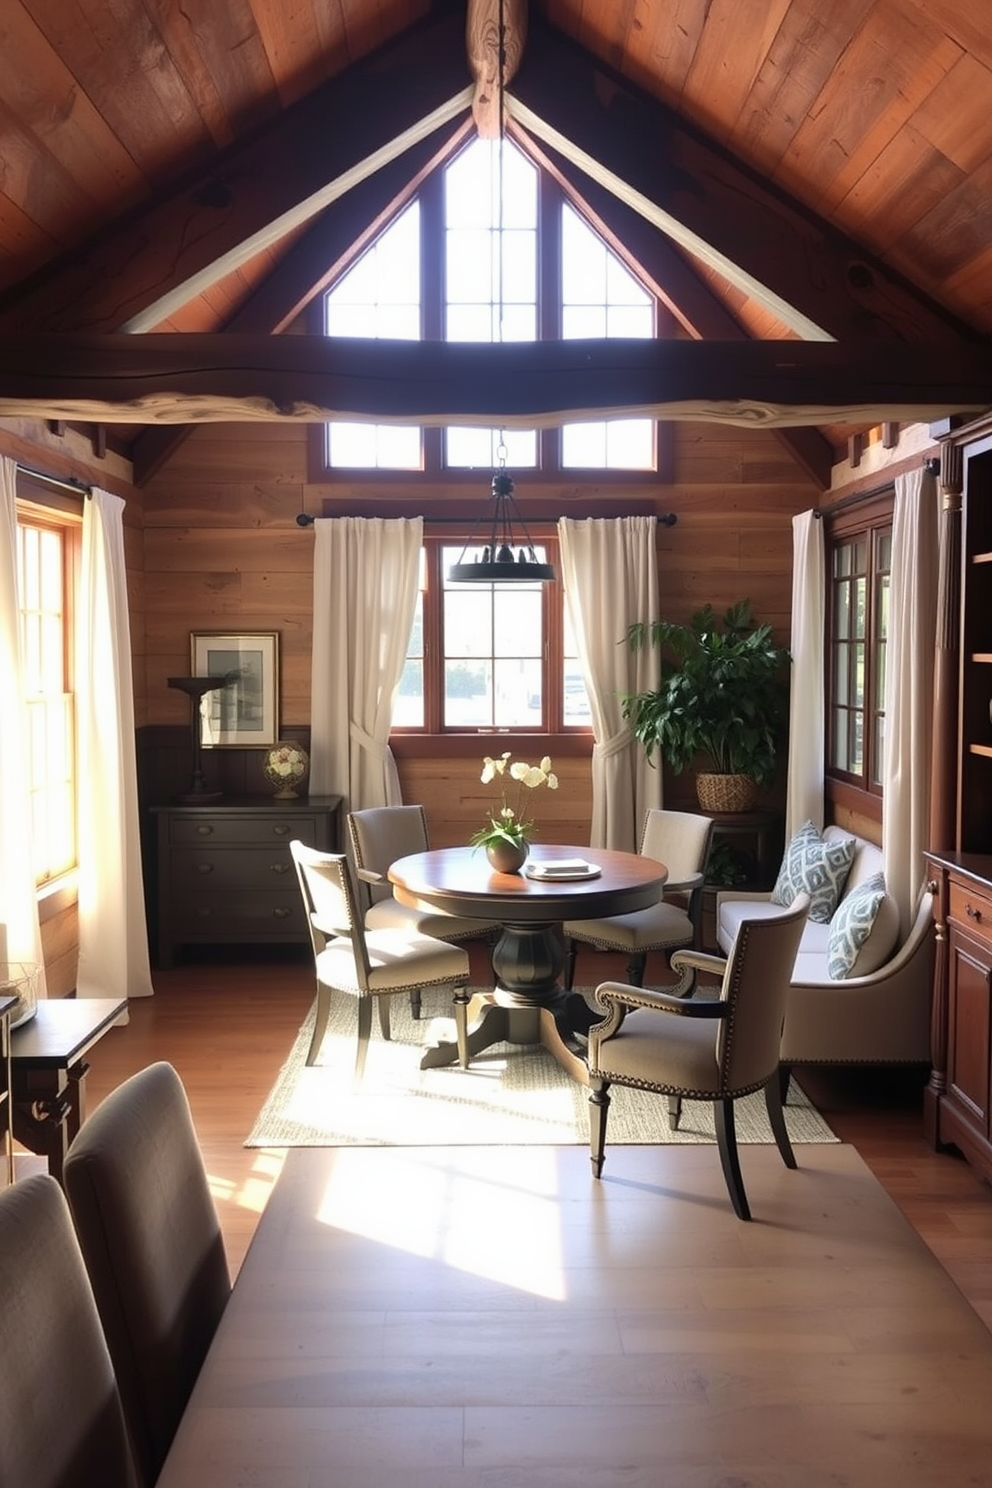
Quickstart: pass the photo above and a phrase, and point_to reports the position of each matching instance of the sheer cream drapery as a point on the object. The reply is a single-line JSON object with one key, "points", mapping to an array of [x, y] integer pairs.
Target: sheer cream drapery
{"points": [[610, 573], [113, 939], [804, 795], [365, 577]]}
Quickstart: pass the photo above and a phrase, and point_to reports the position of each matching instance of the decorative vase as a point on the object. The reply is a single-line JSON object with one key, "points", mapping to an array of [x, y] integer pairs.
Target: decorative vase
{"points": [[285, 766], [507, 857], [726, 793]]}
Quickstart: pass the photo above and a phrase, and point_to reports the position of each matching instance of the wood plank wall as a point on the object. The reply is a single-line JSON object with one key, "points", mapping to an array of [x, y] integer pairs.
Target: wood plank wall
{"points": [[222, 550]]}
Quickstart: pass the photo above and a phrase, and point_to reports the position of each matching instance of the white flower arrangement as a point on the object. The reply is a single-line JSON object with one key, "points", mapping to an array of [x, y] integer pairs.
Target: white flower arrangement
{"points": [[506, 823]]}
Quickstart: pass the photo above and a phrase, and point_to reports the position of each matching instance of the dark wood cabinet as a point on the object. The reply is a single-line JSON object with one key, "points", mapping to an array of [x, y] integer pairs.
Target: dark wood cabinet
{"points": [[225, 873], [957, 1101]]}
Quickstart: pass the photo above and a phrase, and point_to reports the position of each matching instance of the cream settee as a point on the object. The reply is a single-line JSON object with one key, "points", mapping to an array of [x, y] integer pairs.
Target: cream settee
{"points": [[879, 1012]]}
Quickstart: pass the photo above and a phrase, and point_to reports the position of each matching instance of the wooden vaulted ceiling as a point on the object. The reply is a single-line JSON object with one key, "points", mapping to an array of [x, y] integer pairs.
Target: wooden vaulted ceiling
{"points": [[787, 170]]}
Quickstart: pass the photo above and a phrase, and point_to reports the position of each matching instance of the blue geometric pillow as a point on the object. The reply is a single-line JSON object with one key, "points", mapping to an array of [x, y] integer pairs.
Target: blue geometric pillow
{"points": [[817, 868], [852, 925]]}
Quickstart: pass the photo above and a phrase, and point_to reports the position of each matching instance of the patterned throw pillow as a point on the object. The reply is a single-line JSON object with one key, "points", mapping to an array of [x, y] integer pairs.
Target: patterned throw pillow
{"points": [[852, 925], [817, 868]]}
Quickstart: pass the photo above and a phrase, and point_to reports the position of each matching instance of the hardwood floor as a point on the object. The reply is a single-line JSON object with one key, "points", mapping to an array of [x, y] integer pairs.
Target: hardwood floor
{"points": [[228, 1026]]}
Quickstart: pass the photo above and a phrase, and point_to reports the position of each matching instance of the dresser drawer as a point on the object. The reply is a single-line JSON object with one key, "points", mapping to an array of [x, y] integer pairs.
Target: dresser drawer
{"points": [[248, 914], [237, 831], [227, 867], [971, 909]]}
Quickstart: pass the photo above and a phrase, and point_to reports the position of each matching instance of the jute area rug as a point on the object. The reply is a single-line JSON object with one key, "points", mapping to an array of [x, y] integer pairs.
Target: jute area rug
{"points": [[510, 1095]]}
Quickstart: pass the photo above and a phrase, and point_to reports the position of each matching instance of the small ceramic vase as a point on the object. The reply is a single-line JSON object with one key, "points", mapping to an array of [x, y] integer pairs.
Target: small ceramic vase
{"points": [[507, 857]]}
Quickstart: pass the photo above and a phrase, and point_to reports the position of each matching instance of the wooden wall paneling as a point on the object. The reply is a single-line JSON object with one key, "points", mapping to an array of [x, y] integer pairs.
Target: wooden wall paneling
{"points": [[456, 801]]}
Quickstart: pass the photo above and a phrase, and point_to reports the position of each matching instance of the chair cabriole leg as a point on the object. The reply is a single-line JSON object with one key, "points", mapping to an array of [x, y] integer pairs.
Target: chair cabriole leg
{"points": [[726, 1139], [321, 1013], [776, 1119]]}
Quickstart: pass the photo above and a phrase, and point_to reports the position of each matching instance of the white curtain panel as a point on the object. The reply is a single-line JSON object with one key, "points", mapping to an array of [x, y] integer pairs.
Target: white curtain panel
{"points": [[610, 573], [912, 632], [365, 577], [804, 793], [113, 940], [18, 894]]}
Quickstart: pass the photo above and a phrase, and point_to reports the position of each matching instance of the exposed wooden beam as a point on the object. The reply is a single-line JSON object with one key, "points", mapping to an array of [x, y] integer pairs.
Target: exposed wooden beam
{"points": [[676, 284], [142, 268], [227, 377], [339, 234], [484, 46], [816, 281]]}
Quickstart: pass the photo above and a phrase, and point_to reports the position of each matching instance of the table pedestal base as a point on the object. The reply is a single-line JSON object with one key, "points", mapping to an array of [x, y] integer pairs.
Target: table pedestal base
{"points": [[527, 1004]]}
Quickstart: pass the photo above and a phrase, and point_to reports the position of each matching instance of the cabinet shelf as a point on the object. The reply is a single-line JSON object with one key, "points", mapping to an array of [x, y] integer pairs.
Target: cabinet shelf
{"points": [[983, 749], [981, 557], [983, 658]]}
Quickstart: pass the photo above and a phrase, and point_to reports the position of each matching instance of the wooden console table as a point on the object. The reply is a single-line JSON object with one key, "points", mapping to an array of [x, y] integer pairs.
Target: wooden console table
{"points": [[48, 1071]]}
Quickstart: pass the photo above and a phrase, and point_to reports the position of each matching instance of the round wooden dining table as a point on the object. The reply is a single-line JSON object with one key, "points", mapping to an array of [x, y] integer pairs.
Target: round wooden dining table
{"points": [[527, 1003]]}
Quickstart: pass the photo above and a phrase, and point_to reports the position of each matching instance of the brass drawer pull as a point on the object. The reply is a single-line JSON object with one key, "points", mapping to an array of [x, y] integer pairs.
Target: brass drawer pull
{"points": [[204, 867], [973, 914], [281, 912], [281, 830], [204, 829], [280, 867]]}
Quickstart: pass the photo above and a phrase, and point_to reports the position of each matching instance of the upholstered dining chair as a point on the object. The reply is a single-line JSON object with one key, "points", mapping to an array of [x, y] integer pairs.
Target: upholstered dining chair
{"points": [[369, 965], [61, 1421], [699, 1047], [142, 1207], [379, 835], [680, 840]]}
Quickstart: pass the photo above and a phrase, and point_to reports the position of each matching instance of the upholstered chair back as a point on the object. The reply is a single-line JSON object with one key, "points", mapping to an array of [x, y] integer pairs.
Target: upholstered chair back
{"points": [[61, 1422], [380, 835], [142, 1207], [756, 985]]}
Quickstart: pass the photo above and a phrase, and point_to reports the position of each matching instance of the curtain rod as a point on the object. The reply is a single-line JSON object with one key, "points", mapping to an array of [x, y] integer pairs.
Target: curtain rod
{"points": [[304, 519], [77, 487], [932, 464]]}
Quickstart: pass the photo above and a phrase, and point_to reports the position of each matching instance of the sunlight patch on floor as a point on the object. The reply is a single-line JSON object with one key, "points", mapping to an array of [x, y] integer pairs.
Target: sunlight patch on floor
{"points": [[502, 1225]]}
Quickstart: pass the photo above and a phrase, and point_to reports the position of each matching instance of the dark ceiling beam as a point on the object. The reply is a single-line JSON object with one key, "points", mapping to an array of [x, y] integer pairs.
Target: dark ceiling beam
{"points": [[676, 283], [338, 236], [816, 281], [145, 266], [224, 377]]}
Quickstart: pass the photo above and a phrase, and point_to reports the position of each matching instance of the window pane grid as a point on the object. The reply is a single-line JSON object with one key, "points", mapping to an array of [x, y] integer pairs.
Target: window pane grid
{"points": [[49, 703], [859, 616]]}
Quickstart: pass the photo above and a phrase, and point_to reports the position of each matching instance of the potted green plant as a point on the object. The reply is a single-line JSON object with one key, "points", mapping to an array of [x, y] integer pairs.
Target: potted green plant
{"points": [[721, 699]]}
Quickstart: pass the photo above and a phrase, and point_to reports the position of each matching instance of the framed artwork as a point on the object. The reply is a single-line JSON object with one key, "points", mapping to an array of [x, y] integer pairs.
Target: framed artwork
{"points": [[244, 713]]}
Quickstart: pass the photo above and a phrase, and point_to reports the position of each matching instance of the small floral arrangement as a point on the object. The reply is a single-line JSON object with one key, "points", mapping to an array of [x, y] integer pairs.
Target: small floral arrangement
{"points": [[285, 766], [507, 823]]}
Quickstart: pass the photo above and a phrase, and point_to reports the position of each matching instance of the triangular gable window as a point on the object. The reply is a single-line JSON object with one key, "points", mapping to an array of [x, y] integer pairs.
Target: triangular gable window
{"points": [[458, 264]]}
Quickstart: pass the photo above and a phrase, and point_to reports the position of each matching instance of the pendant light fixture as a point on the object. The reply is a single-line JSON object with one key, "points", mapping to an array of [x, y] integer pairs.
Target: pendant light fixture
{"points": [[505, 556]]}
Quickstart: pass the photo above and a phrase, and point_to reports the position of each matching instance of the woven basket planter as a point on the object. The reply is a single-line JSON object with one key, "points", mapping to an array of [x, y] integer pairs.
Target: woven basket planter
{"points": [[726, 793]]}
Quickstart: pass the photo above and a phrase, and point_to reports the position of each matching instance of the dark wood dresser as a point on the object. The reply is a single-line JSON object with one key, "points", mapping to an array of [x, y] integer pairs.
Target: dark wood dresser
{"points": [[958, 1099], [225, 872]]}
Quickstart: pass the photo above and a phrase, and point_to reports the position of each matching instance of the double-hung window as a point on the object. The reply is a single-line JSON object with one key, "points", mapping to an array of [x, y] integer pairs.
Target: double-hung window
{"points": [[46, 554], [489, 657], [859, 562]]}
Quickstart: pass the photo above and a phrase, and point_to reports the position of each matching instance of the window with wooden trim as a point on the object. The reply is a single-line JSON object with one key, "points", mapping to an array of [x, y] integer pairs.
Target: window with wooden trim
{"points": [[47, 546], [488, 657], [459, 263], [859, 562]]}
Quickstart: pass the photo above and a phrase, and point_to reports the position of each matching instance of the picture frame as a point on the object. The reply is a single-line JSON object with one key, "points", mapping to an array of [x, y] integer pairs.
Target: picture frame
{"points": [[244, 713]]}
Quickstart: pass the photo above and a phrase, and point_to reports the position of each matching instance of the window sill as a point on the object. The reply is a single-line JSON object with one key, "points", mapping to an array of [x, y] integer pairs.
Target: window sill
{"points": [[491, 741]]}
